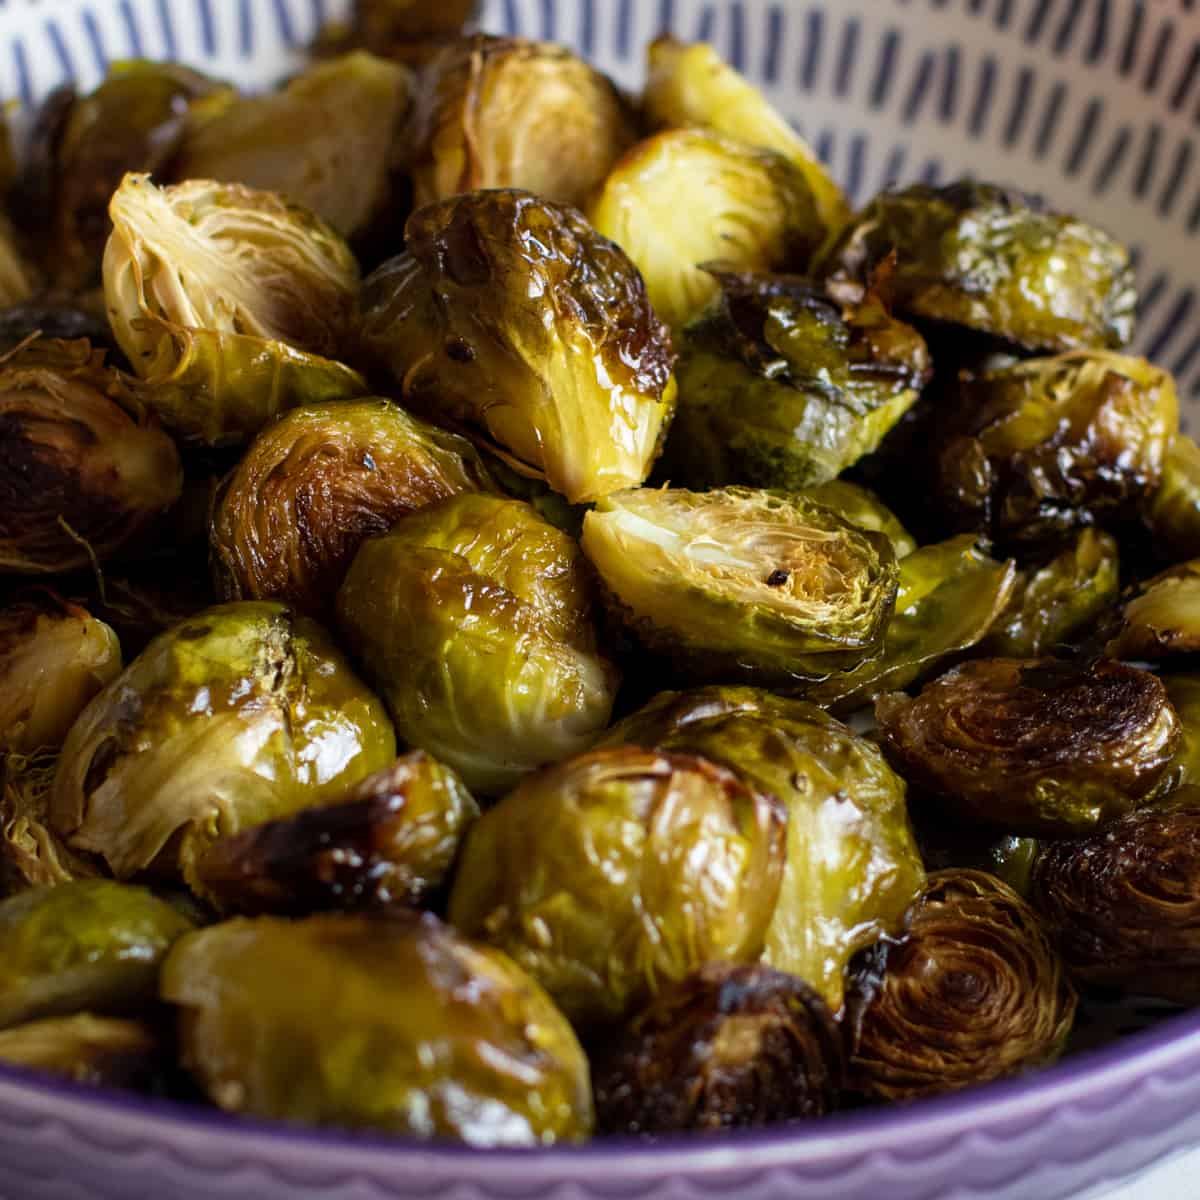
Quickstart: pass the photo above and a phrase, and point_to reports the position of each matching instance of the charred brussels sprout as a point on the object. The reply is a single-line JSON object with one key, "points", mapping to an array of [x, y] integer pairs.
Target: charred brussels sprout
{"points": [[228, 302], [975, 991], [779, 388], [512, 316], [1174, 512], [988, 258], [334, 123], [391, 840], [103, 1051], [1125, 902], [1055, 602], [863, 508], [509, 113], [93, 944], [1034, 746], [622, 870], [950, 595], [691, 85], [242, 713], [730, 1046], [474, 618], [746, 206], [1184, 693], [319, 481], [391, 1023], [743, 583], [1162, 618], [82, 470]]}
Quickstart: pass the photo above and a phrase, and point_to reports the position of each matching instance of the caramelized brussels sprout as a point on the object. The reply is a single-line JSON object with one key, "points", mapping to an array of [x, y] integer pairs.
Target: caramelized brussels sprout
{"points": [[743, 583], [391, 840], [863, 508], [392, 1023], [315, 484], [474, 619], [335, 122], [512, 316], [228, 302], [950, 595], [1053, 603], [691, 85], [82, 471], [1053, 444], [54, 657], [93, 944], [975, 991], [1125, 903], [1034, 746], [746, 206], [103, 1051], [1162, 618], [988, 258], [1184, 694], [729, 1046], [619, 871], [1173, 514], [509, 113], [242, 713], [779, 388]]}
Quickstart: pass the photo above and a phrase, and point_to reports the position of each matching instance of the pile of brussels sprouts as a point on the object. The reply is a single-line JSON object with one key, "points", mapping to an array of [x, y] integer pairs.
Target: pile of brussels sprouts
{"points": [[420, 693]]}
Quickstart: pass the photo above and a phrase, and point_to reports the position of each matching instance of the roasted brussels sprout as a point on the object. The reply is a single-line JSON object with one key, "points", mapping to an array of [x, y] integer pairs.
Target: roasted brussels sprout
{"points": [[392, 1023], [509, 113], [93, 944], [228, 302], [1184, 693], [989, 258], [863, 508], [670, 713], [1053, 603], [1125, 902], [333, 123], [82, 470], [691, 85], [319, 481], [745, 206], [104, 1051], [950, 595], [730, 1046], [1053, 444], [242, 713], [738, 583], [1162, 618], [382, 23], [392, 840], [1034, 746], [622, 870], [512, 316], [975, 991], [779, 388], [1174, 511], [474, 619]]}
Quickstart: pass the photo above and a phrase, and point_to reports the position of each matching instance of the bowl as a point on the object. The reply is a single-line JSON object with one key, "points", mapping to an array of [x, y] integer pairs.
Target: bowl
{"points": [[1092, 103]]}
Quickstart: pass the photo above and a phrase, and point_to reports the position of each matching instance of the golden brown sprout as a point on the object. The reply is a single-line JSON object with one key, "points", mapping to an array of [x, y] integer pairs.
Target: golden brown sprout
{"points": [[1161, 619], [1174, 512], [102, 1051]]}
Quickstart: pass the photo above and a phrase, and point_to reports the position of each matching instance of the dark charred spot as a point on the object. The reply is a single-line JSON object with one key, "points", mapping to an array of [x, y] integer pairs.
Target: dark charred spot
{"points": [[778, 577], [460, 350]]}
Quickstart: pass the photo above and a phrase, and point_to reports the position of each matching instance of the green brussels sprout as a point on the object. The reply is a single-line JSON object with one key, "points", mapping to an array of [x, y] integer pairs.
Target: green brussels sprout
{"points": [[746, 206], [1184, 694], [975, 991], [1034, 746], [335, 122], [1162, 618], [1055, 602], [863, 508], [780, 388], [473, 616], [743, 583], [988, 258], [92, 944], [690, 85], [82, 470], [511, 316], [1049, 445], [1173, 514], [509, 113], [620, 871], [391, 840], [102, 1051], [227, 302], [315, 484], [950, 595], [730, 1046], [393, 1023], [239, 714]]}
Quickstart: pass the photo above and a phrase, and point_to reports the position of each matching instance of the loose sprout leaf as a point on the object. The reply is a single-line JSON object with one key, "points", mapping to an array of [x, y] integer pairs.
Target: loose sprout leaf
{"points": [[1161, 620]]}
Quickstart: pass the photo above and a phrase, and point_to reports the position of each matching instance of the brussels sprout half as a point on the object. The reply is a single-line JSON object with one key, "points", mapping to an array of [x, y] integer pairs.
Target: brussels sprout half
{"points": [[1173, 514], [1161, 620]]}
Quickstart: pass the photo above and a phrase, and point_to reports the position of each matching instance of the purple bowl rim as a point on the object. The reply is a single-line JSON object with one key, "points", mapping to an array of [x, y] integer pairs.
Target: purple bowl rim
{"points": [[1171, 1042]]}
